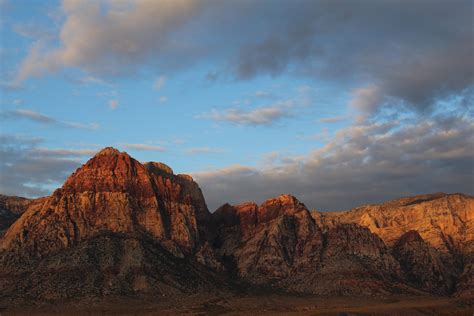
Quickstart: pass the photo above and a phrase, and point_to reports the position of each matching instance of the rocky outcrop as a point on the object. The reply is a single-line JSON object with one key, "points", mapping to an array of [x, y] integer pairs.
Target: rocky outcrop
{"points": [[422, 264], [279, 243], [113, 192], [444, 221]]}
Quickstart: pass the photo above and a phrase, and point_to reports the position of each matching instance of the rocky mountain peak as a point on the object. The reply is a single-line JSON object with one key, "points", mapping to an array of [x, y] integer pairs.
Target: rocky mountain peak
{"points": [[116, 193], [109, 171], [157, 167], [108, 151], [282, 204]]}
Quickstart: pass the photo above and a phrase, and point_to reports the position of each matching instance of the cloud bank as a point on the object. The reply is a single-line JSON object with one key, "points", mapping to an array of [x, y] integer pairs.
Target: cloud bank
{"points": [[368, 161], [407, 51]]}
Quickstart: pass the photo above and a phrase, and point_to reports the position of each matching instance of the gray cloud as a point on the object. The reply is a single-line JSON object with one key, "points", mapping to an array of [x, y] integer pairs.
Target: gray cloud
{"points": [[259, 116], [408, 51], [32, 171], [43, 119], [366, 162]]}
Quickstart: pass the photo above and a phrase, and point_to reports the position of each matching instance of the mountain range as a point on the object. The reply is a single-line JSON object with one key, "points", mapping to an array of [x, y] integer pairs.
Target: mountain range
{"points": [[121, 228]]}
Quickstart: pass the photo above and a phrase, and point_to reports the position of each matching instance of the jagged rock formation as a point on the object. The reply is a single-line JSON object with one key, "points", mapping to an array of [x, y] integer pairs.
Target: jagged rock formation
{"points": [[116, 226], [11, 207], [280, 244], [422, 264], [445, 221], [114, 192], [120, 227]]}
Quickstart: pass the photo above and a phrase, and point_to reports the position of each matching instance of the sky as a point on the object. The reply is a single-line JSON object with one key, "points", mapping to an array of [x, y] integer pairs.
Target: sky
{"points": [[339, 103]]}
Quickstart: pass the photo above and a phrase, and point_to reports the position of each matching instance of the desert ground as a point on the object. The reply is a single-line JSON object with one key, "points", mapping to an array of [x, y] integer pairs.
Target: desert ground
{"points": [[264, 304]]}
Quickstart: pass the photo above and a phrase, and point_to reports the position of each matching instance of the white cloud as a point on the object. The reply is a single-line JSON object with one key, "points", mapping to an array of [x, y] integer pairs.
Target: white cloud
{"points": [[107, 37], [44, 119], [163, 99], [202, 150], [159, 83], [263, 115], [259, 116]]}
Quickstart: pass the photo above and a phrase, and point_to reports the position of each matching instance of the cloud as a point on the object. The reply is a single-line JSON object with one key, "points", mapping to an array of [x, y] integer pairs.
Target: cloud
{"points": [[113, 104], [163, 99], [143, 147], [43, 119], [410, 50], [110, 37], [202, 150], [365, 162], [263, 115], [333, 119], [259, 116], [30, 115], [159, 83], [58, 152], [32, 171], [367, 99]]}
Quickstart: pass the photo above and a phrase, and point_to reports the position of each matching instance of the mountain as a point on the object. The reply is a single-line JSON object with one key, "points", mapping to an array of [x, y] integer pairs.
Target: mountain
{"points": [[278, 243], [445, 222], [115, 226], [114, 192], [118, 227], [11, 207]]}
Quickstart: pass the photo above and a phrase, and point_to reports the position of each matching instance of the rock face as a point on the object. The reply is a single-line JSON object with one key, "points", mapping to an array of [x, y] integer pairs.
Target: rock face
{"points": [[444, 221], [114, 192], [280, 244], [11, 207], [116, 227], [120, 227], [106, 264], [422, 264]]}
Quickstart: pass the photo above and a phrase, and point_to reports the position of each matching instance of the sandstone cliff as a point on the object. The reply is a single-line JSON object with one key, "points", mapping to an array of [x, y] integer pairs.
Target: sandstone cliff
{"points": [[445, 221], [278, 243], [113, 192]]}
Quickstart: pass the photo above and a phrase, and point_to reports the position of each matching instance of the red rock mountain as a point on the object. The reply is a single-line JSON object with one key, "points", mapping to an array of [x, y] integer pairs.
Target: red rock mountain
{"points": [[114, 192], [120, 227], [445, 222], [278, 243]]}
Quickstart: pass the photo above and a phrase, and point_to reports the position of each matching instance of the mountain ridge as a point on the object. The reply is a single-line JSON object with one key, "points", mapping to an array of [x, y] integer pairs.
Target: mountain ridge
{"points": [[126, 221]]}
